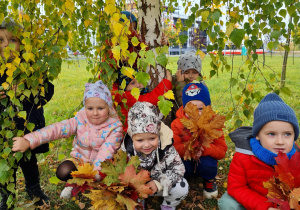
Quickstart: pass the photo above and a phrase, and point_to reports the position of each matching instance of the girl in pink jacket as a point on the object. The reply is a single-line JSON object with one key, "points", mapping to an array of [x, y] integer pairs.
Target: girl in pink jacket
{"points": [[98, 133]]}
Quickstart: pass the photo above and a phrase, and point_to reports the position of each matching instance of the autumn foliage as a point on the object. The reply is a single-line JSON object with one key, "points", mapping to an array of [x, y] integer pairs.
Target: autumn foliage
{"points": [[123, 186], [284, 187], [204, 128]]}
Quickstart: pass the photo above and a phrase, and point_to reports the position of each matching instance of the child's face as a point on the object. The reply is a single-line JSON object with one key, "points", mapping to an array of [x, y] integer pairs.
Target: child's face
{"points": [[145, 142], [134, 84], [191, 74], [96, 110], [7, 38], [200, 105], [277, 136]]}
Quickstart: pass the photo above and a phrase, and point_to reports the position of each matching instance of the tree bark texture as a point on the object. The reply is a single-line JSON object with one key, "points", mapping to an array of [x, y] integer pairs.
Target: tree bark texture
{"points": [[149, 17]]}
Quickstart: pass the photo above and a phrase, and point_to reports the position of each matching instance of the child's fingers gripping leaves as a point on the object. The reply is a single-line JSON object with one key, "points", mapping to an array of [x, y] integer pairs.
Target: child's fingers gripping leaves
{"points": [[20, 144], [152, 186]]}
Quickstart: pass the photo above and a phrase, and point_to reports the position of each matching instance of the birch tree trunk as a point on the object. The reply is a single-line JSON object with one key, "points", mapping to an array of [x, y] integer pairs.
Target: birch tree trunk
{"points": [[149, 17]]}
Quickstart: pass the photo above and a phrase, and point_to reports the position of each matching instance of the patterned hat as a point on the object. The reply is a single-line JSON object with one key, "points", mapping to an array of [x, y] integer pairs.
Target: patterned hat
{"points": [[143, 118], [195, 91], [188, 61], [97, 89], [273, 108]]}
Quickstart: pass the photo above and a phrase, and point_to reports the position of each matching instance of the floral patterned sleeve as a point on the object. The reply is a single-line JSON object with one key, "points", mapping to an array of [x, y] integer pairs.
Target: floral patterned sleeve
{"points": [[172, 169]]}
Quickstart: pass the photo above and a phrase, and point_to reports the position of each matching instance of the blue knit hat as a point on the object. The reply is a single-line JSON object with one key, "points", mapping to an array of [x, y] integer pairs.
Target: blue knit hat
{"points": [[273, 108], [195, 91], [129, 16]]}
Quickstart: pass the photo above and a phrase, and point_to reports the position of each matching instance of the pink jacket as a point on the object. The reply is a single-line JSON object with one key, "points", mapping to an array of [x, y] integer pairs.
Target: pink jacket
{"points": [[92, 143]]}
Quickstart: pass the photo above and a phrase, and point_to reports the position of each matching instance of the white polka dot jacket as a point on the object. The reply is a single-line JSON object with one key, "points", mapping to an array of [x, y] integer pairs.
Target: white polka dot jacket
{"points": [[92, 143], [167, 168]]}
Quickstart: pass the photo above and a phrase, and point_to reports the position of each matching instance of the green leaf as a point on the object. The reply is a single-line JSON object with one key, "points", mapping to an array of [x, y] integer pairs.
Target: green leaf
{"points": [[233, 82], [142, 77], [282, 12], [162, 59], [56, 49], [54, 180], [135, 92], [18, 156], [7, 150], [164, 106], [291, 10], [22, 114], [270, 45], [30, 126], [286, 91], [9, 134], [183, 38], [216, 16], [237, 36], [150, 57], [275, 34], [61, 156]]}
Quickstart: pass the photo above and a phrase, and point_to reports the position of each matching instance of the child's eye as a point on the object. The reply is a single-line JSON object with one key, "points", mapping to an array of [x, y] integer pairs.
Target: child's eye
{"points": [[287, 134], [152, 139], [100, 108], [13, 40], [200, 109], [271, 134], [90, 109]]}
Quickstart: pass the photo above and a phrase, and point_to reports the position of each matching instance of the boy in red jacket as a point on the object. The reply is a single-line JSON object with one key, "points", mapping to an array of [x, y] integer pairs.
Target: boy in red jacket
{"points": [[206, 168], [275, 129]]}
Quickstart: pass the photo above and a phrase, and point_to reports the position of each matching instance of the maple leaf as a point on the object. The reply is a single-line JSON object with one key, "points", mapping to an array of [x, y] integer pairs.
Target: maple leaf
{"points": [[205, 128], [86, 170], [123, 184], [284, 188], [138, 181], [79, 188]]}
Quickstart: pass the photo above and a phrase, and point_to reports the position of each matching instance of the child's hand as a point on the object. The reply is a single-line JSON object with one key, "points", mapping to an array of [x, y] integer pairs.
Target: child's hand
{"points": [[152, 186], [271, 208], [168, 75], [199, 154], [180, 76], [163, 39], [20, 144]]}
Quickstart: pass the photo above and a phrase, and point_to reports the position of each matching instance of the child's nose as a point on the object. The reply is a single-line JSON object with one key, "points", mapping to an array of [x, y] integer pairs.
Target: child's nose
{"points": [[279, 139], [4, 43]]}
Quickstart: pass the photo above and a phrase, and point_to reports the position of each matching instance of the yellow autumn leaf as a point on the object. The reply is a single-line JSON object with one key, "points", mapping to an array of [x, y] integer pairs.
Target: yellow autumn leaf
{"points": [[117, 28], [10, 69], [135, 42], [86, 170], [89, 2], [127, 71], [70, 5], [233, 14], [124, 46], [135, 92], [110, 7], [116, 17], [229, 28], [201, 54], [143, 46], [250, 87], [169, 95], [204, 15], [5, 85], [26, 17], [116, 52], [87, 23]]}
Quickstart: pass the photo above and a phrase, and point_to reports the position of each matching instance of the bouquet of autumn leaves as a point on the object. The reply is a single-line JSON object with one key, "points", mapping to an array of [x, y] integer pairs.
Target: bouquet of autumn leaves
{"points": [[205, 128], [123, 185], [284, 187]]}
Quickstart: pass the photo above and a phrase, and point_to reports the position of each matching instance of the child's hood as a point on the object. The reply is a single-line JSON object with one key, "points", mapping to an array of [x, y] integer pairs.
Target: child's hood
{"points": [[180, 113], [241, 138]]}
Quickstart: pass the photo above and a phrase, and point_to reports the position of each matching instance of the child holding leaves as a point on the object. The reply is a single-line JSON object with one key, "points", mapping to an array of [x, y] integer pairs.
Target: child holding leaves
{"points": [[275, 129], [9, 33], [204, 163], [151, 141], [98, 133]]}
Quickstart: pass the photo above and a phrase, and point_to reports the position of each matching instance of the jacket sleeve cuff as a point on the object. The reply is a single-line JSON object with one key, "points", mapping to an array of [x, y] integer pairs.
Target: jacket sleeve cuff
{"points": [[158, 185]]}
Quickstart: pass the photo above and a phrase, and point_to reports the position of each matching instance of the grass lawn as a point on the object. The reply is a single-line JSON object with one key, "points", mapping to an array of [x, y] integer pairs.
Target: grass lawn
{"points": [[67, 99]]}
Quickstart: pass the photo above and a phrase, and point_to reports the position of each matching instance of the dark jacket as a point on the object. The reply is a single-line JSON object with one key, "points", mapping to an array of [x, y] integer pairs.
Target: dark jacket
{"points": [[35, 112]]}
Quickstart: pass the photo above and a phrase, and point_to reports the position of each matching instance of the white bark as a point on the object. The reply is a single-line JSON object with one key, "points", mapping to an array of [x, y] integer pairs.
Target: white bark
{"points": [[149, 17]]}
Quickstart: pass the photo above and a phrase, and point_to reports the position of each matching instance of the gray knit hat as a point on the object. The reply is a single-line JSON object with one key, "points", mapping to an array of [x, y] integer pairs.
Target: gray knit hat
{"points": [[188, 61], [273, 108], [9, 22]]}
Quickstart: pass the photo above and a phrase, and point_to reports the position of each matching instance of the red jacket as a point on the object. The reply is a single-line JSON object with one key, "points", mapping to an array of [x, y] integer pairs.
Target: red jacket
{"points": [[217, 148], [152, 97], [245, 181]]}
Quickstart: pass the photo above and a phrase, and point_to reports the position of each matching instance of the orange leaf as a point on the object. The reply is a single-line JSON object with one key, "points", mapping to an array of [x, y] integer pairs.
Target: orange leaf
{"points": [[205, 128], [138, 181]]}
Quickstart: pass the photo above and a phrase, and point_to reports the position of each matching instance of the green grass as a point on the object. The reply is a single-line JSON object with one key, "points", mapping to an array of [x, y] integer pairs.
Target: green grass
{"points": [[68, 95]]}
